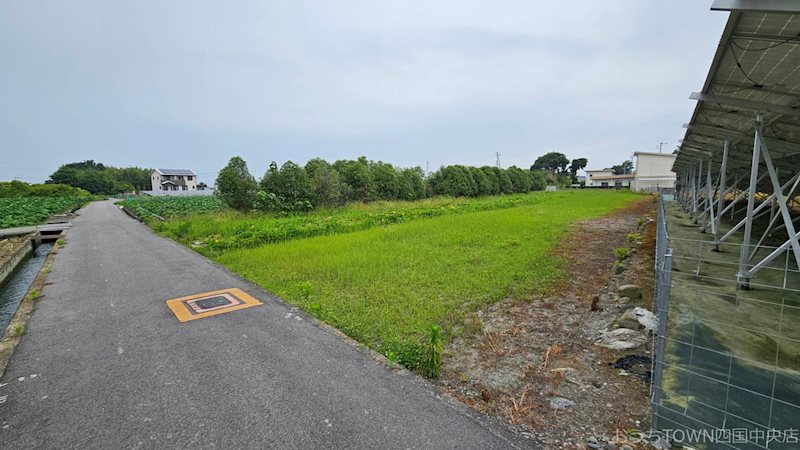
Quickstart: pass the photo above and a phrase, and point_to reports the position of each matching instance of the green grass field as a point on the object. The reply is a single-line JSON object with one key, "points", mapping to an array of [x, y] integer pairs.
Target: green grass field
{"points": [[386, 286], [224, 229]]}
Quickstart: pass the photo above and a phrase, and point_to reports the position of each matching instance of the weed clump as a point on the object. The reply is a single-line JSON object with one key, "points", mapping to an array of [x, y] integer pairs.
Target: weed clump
{"points": [[432, 364], [622, 253]]}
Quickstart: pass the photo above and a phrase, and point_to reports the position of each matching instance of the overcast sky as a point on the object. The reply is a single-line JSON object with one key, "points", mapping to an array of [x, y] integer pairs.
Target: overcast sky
{"points": [[190, 84]]}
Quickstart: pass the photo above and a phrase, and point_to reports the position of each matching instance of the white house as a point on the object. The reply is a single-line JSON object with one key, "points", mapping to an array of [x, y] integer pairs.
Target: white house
{"points": [[173, 180], [611, 180], [654, 171], [605, 178]]}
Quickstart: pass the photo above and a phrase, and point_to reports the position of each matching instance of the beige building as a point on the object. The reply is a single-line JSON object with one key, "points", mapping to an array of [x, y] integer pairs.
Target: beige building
{"points": [[173, 180], [654, 172]]}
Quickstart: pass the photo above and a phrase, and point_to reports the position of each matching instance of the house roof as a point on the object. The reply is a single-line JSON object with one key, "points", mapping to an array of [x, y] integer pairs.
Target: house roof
{"points": [[616, 177], [174, 182], [175, 172], [671, 155]]}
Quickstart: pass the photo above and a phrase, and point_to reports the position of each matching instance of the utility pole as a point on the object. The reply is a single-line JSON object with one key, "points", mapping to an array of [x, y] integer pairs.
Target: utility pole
{"points": [[498, 159], [660, 145]]}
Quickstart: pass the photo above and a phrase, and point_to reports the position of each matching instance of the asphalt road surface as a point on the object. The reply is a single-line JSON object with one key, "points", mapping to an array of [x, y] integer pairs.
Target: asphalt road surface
{"points": [[105, 364]]}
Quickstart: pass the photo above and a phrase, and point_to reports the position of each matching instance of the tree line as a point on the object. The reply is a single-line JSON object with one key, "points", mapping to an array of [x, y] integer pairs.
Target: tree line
{"points": [[292, 187], [16, 188], [98, 178]]}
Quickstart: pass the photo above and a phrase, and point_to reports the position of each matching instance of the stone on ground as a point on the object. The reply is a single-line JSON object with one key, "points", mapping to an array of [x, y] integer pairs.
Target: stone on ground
{"points": [[631, 291]]}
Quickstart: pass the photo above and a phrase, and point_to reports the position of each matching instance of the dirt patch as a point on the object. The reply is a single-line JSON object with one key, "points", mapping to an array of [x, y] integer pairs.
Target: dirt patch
{"points": [[533, 362]]}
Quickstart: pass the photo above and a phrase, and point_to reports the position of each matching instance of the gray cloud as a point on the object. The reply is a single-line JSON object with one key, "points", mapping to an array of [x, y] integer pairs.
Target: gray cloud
{"points": [[189, 84]]}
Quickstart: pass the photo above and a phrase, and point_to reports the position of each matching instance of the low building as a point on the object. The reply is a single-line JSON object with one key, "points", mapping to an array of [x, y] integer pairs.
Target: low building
{"points": [[654, 172], [613, 181], [592, 175], [168, 180]]}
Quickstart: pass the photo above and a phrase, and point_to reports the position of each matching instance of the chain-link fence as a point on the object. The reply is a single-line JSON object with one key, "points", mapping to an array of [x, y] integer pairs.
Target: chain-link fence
{"points": [[726, 363]]}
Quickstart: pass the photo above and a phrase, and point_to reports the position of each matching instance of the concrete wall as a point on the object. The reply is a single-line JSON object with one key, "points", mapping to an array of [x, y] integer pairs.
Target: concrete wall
{"points": [[654, 171], [10, 264]]}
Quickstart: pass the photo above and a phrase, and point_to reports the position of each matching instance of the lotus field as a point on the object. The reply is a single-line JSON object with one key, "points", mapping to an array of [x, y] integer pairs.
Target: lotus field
{"points": [[145, 207], [24, 211]]}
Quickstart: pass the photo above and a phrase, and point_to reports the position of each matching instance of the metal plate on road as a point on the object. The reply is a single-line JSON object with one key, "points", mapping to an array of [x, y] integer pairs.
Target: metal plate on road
{"points": [[207, 304]]}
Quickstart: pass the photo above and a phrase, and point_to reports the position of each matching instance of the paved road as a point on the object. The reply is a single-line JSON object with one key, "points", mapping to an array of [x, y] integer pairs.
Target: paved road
{"points": [[114, 368]]}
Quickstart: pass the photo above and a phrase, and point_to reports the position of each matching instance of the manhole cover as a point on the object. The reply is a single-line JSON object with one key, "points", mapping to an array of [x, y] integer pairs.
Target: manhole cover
{"points": [[208, 304], [213, 302]]}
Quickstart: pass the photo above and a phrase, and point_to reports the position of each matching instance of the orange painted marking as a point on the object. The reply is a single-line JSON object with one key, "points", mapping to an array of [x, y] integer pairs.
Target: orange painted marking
{"points": [[184, 312]]}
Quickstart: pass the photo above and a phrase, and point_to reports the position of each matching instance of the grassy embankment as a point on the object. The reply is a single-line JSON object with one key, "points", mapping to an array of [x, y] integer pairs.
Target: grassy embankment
{"points": [[387, 286]]}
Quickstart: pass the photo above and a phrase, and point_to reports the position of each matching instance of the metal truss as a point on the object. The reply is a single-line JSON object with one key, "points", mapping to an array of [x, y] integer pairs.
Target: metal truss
{"points": [[705, 193]]}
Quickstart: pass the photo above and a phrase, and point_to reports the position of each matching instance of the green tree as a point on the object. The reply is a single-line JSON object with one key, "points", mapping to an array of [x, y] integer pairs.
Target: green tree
{"points": [[623, 169], [291, 186], [138, 178], [494, 180], [315, 164], [98, 178], [503, 180], [538, 180], [412, 184], [358, 177], [329, 189], [553, 162], [577, 164], [385, 180], [236, 186], [482, 184], [520, 179], [455, 181]]}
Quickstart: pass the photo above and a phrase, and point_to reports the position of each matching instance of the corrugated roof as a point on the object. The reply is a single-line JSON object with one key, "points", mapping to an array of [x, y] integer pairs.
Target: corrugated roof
{"points": [[616, 177]]}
